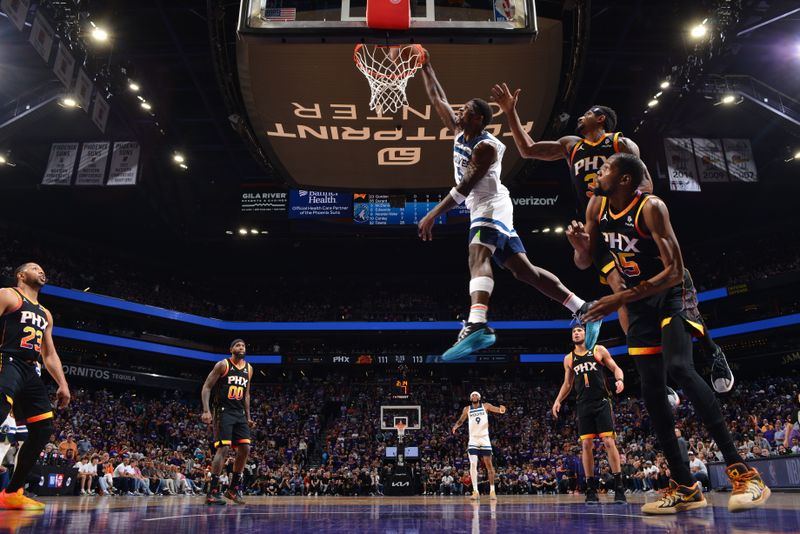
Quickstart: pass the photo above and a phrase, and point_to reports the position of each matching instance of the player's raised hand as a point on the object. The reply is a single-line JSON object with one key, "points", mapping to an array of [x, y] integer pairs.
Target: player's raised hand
{"points": [[605, 306], [556, 408], [206, 418], [577, 236], [502, 95], [425, 228]]}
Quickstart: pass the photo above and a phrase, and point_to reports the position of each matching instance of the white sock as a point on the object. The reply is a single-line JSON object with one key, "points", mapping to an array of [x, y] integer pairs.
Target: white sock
{"points": [[491, 488], [477, 313], [573, 302]]}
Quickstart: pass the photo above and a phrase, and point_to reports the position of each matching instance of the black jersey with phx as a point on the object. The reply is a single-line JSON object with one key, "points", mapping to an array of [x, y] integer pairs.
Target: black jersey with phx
{"points": [[23, 329], [231, 386], [590, 379], [636, 254], [585, 160]]}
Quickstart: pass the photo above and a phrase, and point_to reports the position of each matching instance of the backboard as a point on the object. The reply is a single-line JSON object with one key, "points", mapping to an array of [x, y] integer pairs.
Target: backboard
{"points": [[309, 105], [324, 18], [392, 414]]}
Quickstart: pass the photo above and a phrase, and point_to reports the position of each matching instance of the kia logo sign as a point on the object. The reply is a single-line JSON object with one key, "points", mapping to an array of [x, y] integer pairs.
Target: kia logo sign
{"points": [[400, 484]]}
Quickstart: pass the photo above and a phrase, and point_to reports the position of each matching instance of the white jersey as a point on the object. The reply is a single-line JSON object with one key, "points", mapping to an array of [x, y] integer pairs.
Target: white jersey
{"points": [[478, 423], [489, 189]]}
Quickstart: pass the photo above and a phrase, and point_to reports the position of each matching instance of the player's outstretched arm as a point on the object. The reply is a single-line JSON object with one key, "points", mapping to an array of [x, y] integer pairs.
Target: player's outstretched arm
{"points": [[464, 415], [494, 409], [53, 363], [604, 357], [528, 148], [566, 386], [628, 146], [208, 385], [656, 218], [436, 94], [479, 164]]}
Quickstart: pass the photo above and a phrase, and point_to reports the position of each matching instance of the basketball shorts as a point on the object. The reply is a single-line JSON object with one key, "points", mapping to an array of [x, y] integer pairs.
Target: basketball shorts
{"points": [[21, 385], [604, 263], [649, 316], [479, 446], [595, 419], [230, 428], [492, 225]]}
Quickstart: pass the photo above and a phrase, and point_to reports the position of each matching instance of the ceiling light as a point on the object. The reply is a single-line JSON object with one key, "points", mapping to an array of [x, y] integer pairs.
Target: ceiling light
{"points": [[658, 94], [183, 166], [146, 106], [253, 231], [797, 155], [264, 232], [652, 103], [2, 160], [728, 99], [229, 232], [699, 31], [242, 231], [664, 84], [99, 34], [545, 230], [69, 102], [559, 229], [535, 231], [133, 86], [177, 157]]}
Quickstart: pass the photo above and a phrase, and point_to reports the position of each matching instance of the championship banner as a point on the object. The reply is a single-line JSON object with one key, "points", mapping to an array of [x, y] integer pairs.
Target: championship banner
{"points": [[83, 90], [680, 164], [710, 159], [124, 163], [42, 37], [61, 163], [741, 165], [100, 112], [17, 11], [92, 165], [64, 67]]}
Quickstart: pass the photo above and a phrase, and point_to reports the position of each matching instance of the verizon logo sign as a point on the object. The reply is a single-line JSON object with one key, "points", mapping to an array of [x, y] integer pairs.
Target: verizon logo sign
{"points": [[535, 201]]}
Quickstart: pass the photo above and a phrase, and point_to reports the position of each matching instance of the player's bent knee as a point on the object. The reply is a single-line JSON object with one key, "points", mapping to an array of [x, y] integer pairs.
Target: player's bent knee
{"points": [[39, 432]]}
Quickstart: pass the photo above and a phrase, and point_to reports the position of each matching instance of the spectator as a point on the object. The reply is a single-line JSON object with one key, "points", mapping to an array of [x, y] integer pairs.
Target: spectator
{"points": [[699, 470]]}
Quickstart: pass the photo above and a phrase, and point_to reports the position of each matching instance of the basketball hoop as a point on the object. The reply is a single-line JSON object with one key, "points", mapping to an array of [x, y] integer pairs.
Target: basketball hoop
{"points": [[388, 69], [400, 426]]}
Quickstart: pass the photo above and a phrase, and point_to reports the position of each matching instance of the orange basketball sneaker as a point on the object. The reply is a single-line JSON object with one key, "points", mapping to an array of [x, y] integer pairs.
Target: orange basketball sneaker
{"points": [[18, 501], [749, 491]]}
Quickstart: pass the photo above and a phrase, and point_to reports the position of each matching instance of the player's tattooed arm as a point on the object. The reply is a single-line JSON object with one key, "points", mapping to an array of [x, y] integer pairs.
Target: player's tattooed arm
{"points": [[583, 237], [208, 385], [494, 409], [464, 415]]}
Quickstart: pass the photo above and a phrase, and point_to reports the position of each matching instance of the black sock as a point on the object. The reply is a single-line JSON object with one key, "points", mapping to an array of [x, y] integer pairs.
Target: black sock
{"points": [[617, 481], [236, 481], [27, 457], [709, 347], [214, 487]]}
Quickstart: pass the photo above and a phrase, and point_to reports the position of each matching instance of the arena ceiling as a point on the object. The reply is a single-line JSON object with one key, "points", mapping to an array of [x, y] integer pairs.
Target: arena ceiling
{"points": [[177, 52]]}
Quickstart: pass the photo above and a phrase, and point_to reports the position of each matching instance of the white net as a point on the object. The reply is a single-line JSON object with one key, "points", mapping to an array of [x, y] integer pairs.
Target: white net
{"points": [[388, 69]]}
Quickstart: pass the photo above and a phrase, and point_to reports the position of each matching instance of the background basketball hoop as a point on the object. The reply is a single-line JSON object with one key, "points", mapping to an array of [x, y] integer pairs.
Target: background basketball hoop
{"points": [[388, 69]]}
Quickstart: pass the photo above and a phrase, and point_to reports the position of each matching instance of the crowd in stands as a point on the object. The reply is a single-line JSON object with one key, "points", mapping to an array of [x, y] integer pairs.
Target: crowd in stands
{"points": [[378, 297], [321, 437]]}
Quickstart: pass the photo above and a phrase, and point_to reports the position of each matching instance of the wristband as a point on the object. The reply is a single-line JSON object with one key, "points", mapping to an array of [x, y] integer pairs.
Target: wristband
{"points": [[458, 197]]}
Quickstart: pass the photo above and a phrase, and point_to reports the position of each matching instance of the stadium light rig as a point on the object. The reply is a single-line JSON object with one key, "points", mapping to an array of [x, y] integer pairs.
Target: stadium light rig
{"points": [[68, 102], [699, 31], [133, 86]]}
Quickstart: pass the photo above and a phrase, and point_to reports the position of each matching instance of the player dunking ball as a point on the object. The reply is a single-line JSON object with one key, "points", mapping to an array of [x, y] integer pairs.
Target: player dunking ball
{"points": [[477, 157], [230, 381], [479, 444], [27, 339], [583, 371], [662, 306], [585, 153]]}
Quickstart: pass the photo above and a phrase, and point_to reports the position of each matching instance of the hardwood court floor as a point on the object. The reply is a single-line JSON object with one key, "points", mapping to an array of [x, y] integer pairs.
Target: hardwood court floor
{"points": [[392, 515]]}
